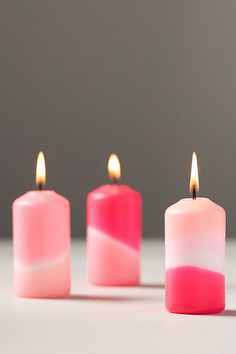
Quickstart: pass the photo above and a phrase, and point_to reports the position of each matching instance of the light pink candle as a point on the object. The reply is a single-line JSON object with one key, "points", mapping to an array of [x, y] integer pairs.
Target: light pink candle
{"points": [[114, 231], [195, 248], [41, 242]]}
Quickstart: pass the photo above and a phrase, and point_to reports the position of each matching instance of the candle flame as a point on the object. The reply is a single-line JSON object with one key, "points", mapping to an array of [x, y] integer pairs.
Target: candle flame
{"points": [[40, 170], [114, 170], [194, 180]]}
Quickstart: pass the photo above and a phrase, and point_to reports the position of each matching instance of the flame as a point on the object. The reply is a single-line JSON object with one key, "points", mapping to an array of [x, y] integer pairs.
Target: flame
{"points": [[194, 181], [40, 170], [114, 171]]}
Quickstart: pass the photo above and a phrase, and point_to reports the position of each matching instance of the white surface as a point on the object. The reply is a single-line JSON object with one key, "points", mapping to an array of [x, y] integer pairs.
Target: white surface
{"points": [[112, 320]]}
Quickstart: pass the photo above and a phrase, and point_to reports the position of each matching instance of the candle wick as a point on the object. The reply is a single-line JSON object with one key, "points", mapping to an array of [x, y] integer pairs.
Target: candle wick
{"points": [[40, 186], [194, 193], [114, 181]]}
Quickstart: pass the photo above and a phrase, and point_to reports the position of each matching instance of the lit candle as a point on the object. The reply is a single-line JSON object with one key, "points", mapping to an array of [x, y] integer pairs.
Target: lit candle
{"points": [[41, 241], [114, 231], [195, 247]]}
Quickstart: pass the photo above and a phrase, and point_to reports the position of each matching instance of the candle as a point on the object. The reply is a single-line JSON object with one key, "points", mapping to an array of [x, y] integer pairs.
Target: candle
{"points": [[41, 241], [195, 246], [114, 231]]}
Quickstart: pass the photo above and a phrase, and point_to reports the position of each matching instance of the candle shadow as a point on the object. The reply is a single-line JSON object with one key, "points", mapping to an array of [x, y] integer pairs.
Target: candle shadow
{"points": [[105, 298], [152, 285], [226, 313]]}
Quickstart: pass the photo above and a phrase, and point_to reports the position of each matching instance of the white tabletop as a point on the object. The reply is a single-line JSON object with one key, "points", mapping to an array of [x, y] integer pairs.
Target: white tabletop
{"points": [[112, 320]]}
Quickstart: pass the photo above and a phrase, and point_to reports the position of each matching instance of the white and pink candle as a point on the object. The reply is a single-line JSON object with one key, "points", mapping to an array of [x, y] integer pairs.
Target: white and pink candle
{"points": [[114, 232], [41, 241], [195, 249]]}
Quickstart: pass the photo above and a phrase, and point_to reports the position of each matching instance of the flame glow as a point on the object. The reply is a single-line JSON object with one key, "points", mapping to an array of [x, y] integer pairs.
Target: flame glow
{"points": [[40, 169], [114, 170], [194, 180]]}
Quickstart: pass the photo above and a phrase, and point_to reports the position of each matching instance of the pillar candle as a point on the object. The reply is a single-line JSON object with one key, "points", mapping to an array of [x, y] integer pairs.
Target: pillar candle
{"points": [[114, 228], [195, 247], [41, 242]]}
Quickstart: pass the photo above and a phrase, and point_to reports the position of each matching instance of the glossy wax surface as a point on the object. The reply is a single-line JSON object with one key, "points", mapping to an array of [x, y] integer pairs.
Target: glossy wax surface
{"points": [[41, 241], [114, 231], [194, 241]]}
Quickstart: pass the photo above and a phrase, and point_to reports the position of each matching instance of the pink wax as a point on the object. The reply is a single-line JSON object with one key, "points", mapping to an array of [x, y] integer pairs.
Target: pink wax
{"points": [[194, 290], [195, 248], [114, 231], [41, 243]]}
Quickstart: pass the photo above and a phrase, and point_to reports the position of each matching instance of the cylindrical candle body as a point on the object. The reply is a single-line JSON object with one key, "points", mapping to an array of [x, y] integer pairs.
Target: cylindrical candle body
{"points": [[41, 242], [114, 232], [195, 248]]}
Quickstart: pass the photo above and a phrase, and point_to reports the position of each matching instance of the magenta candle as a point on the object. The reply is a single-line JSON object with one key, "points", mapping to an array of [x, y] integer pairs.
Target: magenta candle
{"points": [[114, 231], [195, 248], [41, 242]]}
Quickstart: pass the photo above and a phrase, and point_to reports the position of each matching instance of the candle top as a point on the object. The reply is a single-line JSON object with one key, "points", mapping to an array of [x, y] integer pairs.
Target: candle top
{"points": [[40, 197], [112, 190], [189, 205]]}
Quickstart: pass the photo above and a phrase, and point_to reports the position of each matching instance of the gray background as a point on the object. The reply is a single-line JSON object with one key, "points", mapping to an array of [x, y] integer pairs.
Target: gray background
{"points": [[150, 80]]}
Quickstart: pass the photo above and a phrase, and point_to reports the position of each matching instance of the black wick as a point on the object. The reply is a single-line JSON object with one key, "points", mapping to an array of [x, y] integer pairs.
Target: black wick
{"points": [[194, 192], [40, 186], [114, 180]]}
